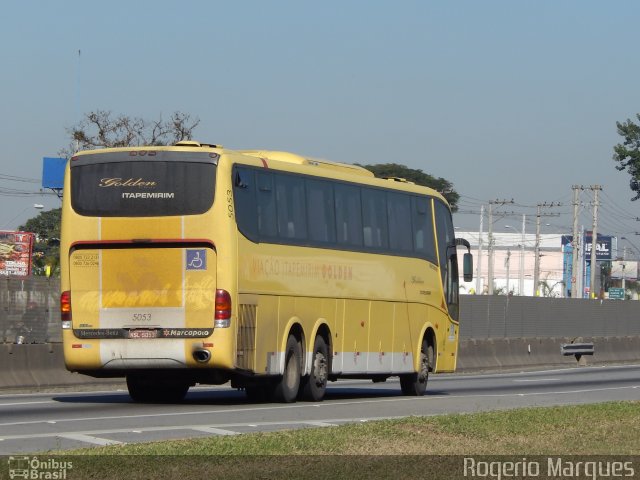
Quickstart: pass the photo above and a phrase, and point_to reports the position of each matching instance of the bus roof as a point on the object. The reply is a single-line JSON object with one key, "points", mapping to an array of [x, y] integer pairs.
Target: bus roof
{"points": [[280, 157], [300, 160]]}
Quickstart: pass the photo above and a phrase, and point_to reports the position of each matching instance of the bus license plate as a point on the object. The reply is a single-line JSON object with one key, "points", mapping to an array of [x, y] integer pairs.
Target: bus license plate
{"points": [[140, 333]]}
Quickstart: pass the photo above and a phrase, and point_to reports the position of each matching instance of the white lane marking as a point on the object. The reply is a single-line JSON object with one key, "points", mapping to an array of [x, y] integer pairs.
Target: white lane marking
{"points": [[224, 427], [320, 424], [25, 403], [323, 405], [81, 437], [215, 431], [568, 370], [537, 380]]}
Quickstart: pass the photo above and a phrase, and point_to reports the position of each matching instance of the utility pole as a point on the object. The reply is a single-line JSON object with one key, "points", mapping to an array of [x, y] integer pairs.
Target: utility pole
{"points": [[536, 268], [624, 264], [594, 240], [575, 242], [582, 273], [536, 253], [507, 262], [479, 260], [490, 252], [490, 246], [521, 276]]}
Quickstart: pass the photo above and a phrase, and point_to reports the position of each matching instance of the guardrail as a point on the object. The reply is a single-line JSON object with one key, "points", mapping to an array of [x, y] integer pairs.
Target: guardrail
{"points": [[577, 349]]}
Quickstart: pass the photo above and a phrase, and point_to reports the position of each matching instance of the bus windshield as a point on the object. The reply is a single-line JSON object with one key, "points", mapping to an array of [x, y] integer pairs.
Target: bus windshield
{"points": [[120, 184]]}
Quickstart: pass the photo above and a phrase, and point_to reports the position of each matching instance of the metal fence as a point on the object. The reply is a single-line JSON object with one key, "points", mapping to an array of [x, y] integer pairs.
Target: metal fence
{"points": [[29, 310], [29, 313], [497, 316]]}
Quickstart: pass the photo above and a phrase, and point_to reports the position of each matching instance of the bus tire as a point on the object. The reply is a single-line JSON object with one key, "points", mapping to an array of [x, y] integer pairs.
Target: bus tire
{"points": [[144, 391], [286, 389], [315, 385], [415, 384], [431, 357]]}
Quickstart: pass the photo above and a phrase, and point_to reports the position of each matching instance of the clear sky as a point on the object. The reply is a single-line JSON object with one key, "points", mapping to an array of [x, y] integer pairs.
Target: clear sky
{"points": [[505, 99]]}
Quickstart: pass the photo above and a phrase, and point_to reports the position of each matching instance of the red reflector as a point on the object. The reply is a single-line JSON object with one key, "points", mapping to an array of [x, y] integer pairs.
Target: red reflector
{"points": [[76, 345], [65, 306], [223, 305]]}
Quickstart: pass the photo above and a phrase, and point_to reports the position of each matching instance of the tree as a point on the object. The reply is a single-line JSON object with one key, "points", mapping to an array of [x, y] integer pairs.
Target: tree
{"points": [[46, 250], [100, 128], [385, 170], [627, 153]]}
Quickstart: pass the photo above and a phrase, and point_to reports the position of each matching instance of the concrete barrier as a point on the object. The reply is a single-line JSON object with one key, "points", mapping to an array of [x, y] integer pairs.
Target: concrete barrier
{"points": [[509, 353], [41, 366]]}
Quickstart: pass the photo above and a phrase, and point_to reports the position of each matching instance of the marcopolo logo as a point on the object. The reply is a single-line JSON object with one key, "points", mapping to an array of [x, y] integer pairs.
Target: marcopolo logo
{"points": [[38, 469]]}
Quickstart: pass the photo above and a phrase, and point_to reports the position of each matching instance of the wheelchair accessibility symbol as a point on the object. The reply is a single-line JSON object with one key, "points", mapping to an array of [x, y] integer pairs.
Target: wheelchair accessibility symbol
{"points": [[197, 259]]}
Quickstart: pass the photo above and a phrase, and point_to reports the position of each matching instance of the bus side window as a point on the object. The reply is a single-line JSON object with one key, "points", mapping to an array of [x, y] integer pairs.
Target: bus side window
{"points": [[292, 222], [321, 211], [245, 202], [399, 206], [266, 202], [348, 215], [423, 234], [374, 218]]}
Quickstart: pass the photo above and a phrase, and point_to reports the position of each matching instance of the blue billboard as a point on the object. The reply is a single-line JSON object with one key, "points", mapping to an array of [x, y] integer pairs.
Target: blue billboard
{"points": [[53, 172], [603, 246]]}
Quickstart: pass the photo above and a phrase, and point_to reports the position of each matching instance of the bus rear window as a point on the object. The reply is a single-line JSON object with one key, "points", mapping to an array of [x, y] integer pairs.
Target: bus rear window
{"points": [[114, 185]]}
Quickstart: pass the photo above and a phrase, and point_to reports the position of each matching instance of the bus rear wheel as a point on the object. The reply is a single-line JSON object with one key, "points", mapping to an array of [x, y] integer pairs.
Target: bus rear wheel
{"points": [[315, 385], [286, 389], [415, 384], [146, 390]]}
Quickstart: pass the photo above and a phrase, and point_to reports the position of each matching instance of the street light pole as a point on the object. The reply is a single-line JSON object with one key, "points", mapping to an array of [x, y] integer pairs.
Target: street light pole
{"points": [[594, 241], [508, 265], [521, 286], [479, 261], [624, 264]]}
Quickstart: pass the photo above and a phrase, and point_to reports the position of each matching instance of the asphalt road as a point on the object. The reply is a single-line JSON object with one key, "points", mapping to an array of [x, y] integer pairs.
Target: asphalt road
{"points": [[40, 422]]}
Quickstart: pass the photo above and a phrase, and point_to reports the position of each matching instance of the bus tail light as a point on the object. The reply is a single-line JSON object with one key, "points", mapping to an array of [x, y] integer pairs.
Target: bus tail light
{"points": [[65, 309], [222, 318]]}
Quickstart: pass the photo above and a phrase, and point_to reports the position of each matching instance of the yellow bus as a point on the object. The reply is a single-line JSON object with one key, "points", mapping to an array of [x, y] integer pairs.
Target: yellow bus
{"points": [[194, 264]]}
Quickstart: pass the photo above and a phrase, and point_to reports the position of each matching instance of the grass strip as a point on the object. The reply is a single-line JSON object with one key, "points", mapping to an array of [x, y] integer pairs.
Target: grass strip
{"points": [[391, 446]]}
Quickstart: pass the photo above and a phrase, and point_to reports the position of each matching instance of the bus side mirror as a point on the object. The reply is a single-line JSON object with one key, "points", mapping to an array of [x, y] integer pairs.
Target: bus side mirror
{"points": [[467, 267]]}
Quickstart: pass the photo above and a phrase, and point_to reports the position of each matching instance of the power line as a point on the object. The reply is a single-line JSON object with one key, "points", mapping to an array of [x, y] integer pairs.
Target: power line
{"points": [[13, 178]]}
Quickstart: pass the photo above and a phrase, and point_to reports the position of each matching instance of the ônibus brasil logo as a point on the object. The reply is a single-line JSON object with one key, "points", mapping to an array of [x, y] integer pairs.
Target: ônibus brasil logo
{"points": [[38, 469]]}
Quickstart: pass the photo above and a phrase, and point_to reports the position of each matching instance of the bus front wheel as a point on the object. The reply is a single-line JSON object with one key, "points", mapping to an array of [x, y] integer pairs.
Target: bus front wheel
{"points": [[415, 384], [287, 387]]}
